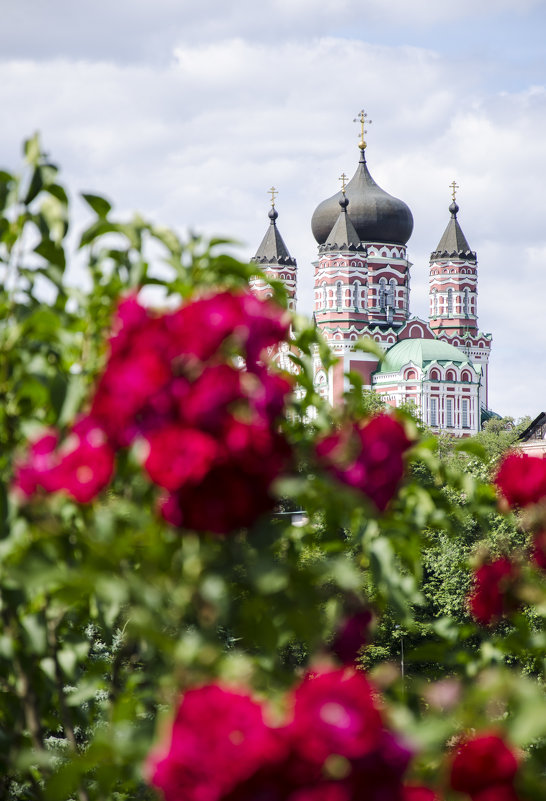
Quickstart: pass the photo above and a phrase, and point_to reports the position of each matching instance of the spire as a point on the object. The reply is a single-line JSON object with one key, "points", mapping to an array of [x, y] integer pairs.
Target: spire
{"points": [[343, 235], [453, 242], [272, 249]]}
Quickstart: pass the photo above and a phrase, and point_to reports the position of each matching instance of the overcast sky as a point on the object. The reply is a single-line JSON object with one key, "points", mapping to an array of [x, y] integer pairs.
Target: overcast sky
{"points": [[189, 111]]}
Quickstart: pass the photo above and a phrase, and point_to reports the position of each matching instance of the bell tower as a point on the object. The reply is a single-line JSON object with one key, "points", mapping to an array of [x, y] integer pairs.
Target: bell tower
{"points": [[453, 296]]}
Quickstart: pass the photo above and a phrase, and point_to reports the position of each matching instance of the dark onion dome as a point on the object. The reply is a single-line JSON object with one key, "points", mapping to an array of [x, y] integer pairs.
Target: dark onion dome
{"points": [[343, 236], [376, 215], [453, 243], [273, 250]]}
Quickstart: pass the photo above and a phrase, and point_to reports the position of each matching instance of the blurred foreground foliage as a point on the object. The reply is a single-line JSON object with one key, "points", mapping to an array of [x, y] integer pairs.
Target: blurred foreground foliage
{"points": [[107, 613]]}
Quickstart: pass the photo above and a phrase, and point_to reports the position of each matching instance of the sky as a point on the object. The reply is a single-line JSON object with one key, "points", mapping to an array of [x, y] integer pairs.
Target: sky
{"points": [[187, 112]]}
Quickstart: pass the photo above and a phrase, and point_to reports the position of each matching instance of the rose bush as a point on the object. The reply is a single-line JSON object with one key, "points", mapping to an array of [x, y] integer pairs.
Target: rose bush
{"points": [[197, 555]]}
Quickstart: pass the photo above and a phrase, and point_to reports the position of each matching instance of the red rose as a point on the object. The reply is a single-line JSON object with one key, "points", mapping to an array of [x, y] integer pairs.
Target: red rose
{"points": [[522, 479], [82, 466], [179, 456], [491, 596], [417, 792], [367, 457], [210, 397], [35, 471], [481, 764], [218, 739], [334, 713]]}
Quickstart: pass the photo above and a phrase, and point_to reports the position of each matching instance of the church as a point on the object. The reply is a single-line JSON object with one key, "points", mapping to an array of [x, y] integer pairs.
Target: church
{"points": [[362, 289]]}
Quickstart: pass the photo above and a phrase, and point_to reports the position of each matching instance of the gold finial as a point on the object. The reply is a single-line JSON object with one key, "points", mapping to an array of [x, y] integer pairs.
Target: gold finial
{"points": [[363, 118], [454, 188], [273, 193], [342, 178]]}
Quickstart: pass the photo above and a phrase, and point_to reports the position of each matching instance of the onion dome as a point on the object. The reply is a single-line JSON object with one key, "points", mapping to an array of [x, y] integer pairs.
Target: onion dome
{"points": [[376, 215], [273, 250], [453, 243], [343, 236]]}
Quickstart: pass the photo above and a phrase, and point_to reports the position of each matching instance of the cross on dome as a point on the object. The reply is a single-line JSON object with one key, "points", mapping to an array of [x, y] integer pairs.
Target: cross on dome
{"points": [[363, 118], [273, 192], [342, 178], [454, 188]]}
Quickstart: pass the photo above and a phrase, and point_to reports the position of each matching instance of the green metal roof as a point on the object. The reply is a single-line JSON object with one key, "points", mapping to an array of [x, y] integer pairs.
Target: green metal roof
{"points": [[421, 352]]}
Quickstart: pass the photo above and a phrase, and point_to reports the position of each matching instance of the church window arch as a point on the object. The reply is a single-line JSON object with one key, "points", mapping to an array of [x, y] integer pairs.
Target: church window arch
{"points": [[356, 294], [450, 303], [391, 292], [465, 376], [339, 295], [450, 375], [382, 293], [434, 375], [449, 412]]}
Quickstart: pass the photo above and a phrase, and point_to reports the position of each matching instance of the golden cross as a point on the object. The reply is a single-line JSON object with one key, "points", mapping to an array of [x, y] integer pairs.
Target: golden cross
{"points": [[342, 178], [454, 187], [273, 193], [363, 117]]}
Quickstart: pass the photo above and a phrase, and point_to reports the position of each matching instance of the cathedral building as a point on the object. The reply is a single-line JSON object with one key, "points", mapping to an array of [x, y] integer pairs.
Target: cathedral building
{"points": [[362, 289]]}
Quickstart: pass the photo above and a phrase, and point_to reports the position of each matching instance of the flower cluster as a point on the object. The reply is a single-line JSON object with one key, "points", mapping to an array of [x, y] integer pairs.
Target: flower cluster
{"points": [[492, 594], [333, 747], [485, 768], [367, 456], [82, 466], [522, 479], [190, 387]]}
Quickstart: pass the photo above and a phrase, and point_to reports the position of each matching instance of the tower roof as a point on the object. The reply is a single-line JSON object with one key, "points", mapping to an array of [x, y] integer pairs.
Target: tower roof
{"points": [[272, 249], [343, 235], [453, 243], [376, 215]]}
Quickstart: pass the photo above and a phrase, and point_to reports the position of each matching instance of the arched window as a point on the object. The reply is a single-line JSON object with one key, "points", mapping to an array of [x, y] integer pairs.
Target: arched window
{"points": [[450, 375], [356, 294], [391, 292], [434, 375], [434, 411], [464, 413], [449, 412], [339, 296], [450, 303], [465, 302], [382, 293]]}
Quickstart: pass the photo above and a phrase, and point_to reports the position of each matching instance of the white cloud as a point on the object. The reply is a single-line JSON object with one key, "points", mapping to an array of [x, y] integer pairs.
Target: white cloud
{"points": [[197, 137]]}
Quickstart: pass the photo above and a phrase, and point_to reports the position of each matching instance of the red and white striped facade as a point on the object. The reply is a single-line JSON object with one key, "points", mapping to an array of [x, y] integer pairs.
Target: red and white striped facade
{"points": [[362, 288]]}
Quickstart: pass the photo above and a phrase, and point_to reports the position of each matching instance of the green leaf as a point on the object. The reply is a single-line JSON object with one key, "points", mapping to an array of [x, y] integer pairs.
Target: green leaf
{"points": [[51, 252], [369, 345], [32, 149], [35, 186], [99, 204], [473, 448]]}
